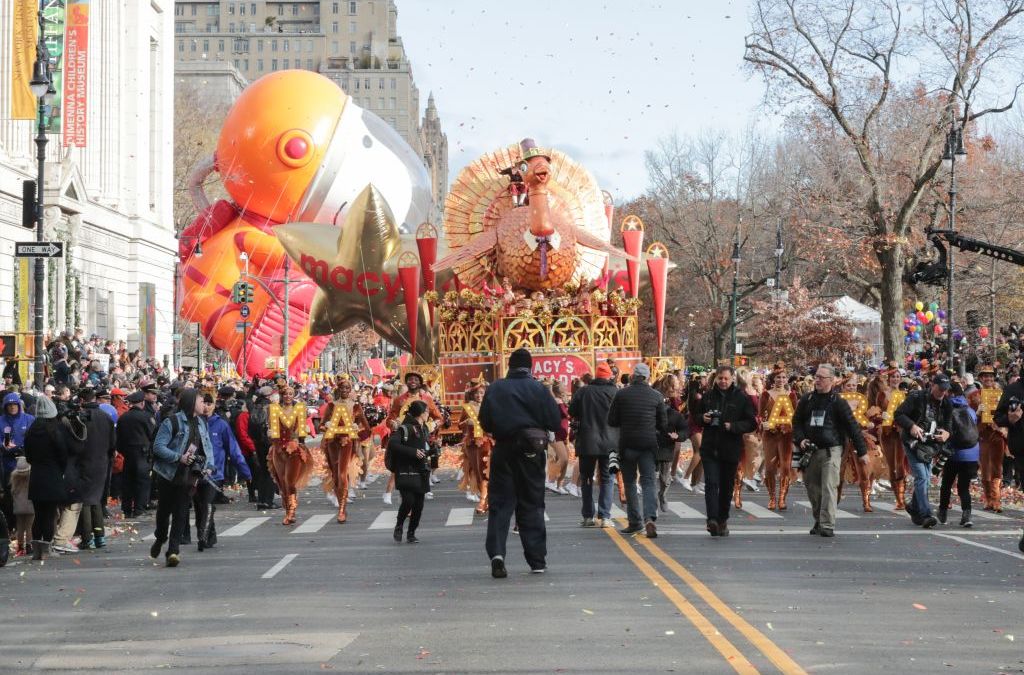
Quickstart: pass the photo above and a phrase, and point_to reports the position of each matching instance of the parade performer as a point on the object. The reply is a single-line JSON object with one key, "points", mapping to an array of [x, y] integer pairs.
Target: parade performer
{"points": [[344, 425], [290, 462], [777, 406], [399, 407], [992, 438], [748, 382], [887, 396], [854, 469], [476, 447]]}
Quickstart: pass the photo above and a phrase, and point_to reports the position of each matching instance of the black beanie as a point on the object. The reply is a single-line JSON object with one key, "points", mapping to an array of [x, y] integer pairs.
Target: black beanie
{"points": [[520, 358]]}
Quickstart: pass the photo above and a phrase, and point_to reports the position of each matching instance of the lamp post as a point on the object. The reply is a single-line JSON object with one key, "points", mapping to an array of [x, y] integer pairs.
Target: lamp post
{"points": [[779, 250], [42, 89], [953, 150], [735, 285], [198, 253], [245, 319], [285, 338]]}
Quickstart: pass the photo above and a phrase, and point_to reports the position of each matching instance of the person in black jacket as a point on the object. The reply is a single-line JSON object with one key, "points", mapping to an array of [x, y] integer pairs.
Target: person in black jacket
{"points": [[824, 419], [516, 409], [409, 447], [727, 413], [676, 429], [135, 431], [47, 452], [94, 468], [916, 416], [594, 440], [1009, 414], [638, 412]]}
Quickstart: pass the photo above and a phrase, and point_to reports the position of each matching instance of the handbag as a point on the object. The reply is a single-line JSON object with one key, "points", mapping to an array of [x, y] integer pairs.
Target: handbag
{"points": [[411, 481]]}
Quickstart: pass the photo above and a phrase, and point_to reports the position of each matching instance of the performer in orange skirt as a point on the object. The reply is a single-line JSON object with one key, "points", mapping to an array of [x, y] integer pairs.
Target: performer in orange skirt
{"points": [[886, 396], [777, 406], [992, 439], [476, 448], [289, 459], [852, 470], [344, 426]]}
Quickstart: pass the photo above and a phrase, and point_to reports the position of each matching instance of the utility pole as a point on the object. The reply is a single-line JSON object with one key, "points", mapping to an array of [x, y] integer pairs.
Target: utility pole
{"points": [[285, 339], [735, 286], [954, 150], [41, 86]]}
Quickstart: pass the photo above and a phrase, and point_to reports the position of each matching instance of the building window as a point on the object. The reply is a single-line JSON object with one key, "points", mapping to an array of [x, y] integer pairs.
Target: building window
{"points": [[334, 7], [295, 9], [273, 64], [252, 28], [352, 47], [352, 27], [356, 80], [212, 10], [259, 65], [309, 46], [241, 9], [231, 27], [247, 65], [309, 64], [316, 10], [287, 64], [181, 46], [352, 7], [392, 103], [366, 83], [394, 83], [334, 26], [206, 46], [231, 8], [220, 45], [335, 47], [287, 45], [192, 48], [211, 27], [238, 64], [241, 46], [380, 103], [252, 8], [273, 45], [194, 9], [259, 45], [280, 10], [380, 83]]}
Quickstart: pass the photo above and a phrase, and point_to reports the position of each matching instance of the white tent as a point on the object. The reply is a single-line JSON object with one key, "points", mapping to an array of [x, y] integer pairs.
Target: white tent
{"points": [[867, 322]]}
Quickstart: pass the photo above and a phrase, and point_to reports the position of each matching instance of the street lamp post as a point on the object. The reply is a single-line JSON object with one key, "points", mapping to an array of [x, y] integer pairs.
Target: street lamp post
{"points": [[735, 285], [42, 89], [779, 250], [954, 150], [245, 319], [286, 338]]}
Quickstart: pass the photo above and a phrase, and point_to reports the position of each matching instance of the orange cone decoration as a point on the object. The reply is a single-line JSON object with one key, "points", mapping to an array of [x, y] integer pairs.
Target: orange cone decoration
{"points": [[633, 243], [657, 268]]}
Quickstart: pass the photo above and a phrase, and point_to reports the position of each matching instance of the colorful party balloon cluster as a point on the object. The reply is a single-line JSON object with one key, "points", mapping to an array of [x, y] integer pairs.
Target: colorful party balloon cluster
{"points": [[915, 323]]}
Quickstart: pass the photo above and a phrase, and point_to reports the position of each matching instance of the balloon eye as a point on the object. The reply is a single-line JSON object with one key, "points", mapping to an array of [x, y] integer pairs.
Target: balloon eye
{"points": [[524, 167], [295, 148]]}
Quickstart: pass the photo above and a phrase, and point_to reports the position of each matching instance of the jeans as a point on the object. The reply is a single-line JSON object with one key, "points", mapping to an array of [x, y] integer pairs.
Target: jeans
{"points": [[604, 500], [664, 480], [516, 485], [922, 474], [642, 461], [963, 473], [172, 512], [719, 480]]}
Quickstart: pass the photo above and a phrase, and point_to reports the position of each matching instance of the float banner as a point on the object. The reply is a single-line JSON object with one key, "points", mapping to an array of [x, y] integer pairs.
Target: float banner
{"points": [[76, 66], [561, 367], [53, 33], [23, 56]]}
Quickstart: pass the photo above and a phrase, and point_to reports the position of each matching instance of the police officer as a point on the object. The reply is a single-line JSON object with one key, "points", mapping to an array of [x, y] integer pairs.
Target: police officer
{"points": [[824, 420], [519, 413], [135, 431]]}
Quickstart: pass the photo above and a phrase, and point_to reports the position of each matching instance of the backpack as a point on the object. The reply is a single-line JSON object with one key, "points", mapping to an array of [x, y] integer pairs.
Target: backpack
{"points": [[389, 456], [259, 421], [964, 434]]}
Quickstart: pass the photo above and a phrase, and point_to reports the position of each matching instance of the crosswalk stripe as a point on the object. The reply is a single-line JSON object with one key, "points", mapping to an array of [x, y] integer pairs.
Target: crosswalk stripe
{"points": [[617, 512], [983, 515], [839, 512], [245, 526], [313, 523], [546, 517], [461, 516], [385, 521], [685, 512], [759, 511]]}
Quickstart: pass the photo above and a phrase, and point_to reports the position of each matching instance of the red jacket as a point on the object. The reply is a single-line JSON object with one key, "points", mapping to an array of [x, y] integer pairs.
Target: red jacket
{"points": [[245, 441]]}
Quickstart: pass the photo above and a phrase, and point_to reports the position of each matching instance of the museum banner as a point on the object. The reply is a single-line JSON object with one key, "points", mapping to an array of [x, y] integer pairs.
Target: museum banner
{"points": [[23, 56], [76, 67]]}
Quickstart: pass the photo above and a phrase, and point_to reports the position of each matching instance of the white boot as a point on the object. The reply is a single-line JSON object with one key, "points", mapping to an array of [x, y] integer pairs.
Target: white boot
{"points": [[387, 498]]}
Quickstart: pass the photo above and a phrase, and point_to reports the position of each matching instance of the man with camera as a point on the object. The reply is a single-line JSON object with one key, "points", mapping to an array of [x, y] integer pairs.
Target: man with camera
{"points": [[821, 424], [1009, 413], [728, 413], [520, 413], [925, 418]]}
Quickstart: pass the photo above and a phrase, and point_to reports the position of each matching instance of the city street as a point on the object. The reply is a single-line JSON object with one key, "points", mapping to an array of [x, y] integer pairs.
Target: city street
{"points": [[882, 595]]}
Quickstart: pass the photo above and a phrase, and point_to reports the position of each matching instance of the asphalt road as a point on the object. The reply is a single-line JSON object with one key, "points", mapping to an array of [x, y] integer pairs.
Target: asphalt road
{"points": [[319, 596]]}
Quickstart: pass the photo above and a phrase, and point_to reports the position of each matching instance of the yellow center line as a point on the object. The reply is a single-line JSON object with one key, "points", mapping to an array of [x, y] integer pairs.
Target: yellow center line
{"points": [[732, 655], [756, 637]]}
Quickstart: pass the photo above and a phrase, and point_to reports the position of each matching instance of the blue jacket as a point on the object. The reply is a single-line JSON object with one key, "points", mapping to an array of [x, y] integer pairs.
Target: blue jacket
{"points": [[17, 424], [110, 410], [167, 451], [224, 445], [968, 454]]}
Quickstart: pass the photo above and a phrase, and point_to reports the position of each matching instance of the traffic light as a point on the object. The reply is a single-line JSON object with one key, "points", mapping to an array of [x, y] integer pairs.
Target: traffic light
{"points": [[249, 294], [236, 292], [242, 292], [738, 361], [28, 203], [8, 346]]}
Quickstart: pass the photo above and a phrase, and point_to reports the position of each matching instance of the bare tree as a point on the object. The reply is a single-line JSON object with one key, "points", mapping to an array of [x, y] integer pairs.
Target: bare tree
{"points": [[196, 129], [839, 63]]}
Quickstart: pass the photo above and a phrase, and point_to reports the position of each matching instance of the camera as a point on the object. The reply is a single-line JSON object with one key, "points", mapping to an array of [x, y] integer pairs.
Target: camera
{"points": [[716, 418], [1013, 405], [942, 454], [613, 462], [802, 456]]}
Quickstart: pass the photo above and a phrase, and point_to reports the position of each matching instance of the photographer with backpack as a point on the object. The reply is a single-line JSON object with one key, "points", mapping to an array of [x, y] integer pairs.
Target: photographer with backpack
{"points": [[925, 418], [962, 467]]}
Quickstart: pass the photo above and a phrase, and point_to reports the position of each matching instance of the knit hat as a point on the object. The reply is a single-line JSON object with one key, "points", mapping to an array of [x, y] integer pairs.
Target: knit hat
{"points": [[45, 408], [642, 370], [520, 358], [603, 371]]}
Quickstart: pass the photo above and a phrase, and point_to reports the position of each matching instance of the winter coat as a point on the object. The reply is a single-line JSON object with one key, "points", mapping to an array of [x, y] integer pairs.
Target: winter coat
{"points": [[224, 446], [93, 459], [16, 425], [676, 422], [135, 429], [638, 412], [19, 489], [589, 409], [403, 444], [168, 447], [1015, 437], [47, 451], [518, 402], [726, 445]]}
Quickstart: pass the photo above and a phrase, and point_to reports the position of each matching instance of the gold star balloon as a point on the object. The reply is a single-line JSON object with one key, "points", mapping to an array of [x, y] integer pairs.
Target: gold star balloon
{"points": [[357, 270]]}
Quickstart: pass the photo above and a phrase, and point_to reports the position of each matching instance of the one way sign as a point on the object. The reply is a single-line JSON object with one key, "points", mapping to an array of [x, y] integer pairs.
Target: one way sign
{"points": [[39, 249]]}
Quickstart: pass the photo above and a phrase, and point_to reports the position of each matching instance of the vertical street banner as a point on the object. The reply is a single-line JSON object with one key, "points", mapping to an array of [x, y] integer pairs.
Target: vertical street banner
{"points": [[53, 34], [76, 52], [26, 338], [147, 318], [23, 56]]}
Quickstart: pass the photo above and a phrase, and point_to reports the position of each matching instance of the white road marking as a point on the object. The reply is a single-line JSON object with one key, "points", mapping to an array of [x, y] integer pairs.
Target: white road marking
{"points": [[759, 511], [980, 514], [385, 521], [460, 516], [245, 526], [685, 512], [313, 523], [281, 564], [617, 512], [546, 516], [840, 533], [839, 512], [962, 540]]}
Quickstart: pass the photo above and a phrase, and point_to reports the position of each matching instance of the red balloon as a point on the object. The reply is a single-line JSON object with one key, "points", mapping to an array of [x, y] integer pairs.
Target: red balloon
{"points": [[921, 317], [983, 332], [938, 330]]}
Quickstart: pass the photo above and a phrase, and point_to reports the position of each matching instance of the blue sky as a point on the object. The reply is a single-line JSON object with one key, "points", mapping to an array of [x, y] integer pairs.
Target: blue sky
{"points": [[600, 80]]}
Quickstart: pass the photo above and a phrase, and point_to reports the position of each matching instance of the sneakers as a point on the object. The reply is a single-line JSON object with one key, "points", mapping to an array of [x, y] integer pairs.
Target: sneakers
{"points": [[434, 480], [816, 530], [550, 486], [603, 522], [387, 498], [632, 529], [825, 532], [929, 522], [573, 490], [751, 485], [685, 482], [411, 538], [712, 526], [154, 550], [398, 534], [538, 570], [64, 548], [699, 488], [651, 530], [588, 522], [965, 519], [173, 559], [498, 570], [429, 495], [99, 541]]}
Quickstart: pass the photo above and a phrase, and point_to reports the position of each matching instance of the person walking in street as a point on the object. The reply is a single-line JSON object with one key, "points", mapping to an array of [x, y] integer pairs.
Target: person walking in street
{"points": [[594, 441], [224, 447], [519, 413], [259, 431], [638, 412], [14, 423], [135, 431], [962, 467], [922, 412], [24, 513], [675, 431], [822, 422], [409, 459], [727, 413], [94, 469], [182, 451], [47, 451], [1009, 415]]}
